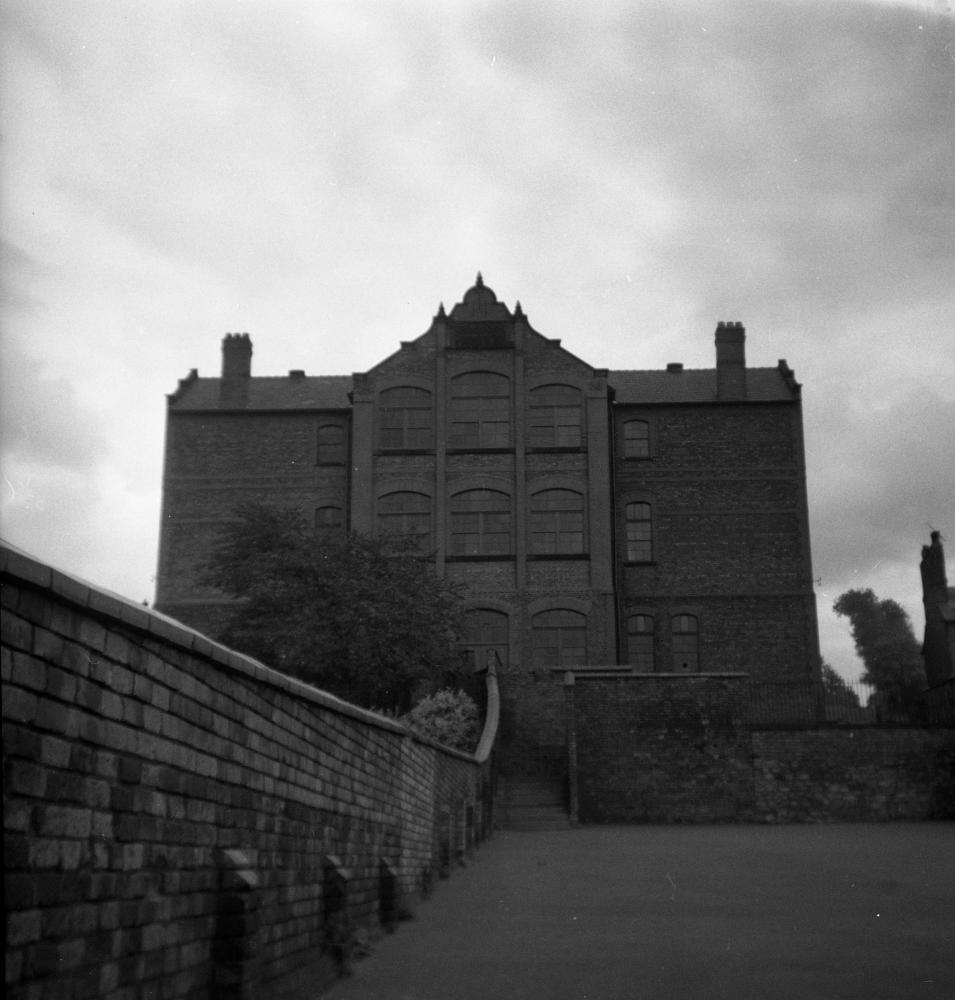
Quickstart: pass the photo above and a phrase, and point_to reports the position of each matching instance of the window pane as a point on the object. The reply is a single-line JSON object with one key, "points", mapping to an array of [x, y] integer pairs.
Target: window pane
{"points": [[480, 411], [485, 633], [405, 418], [555, 417], [406, 513], [636, 439], [480, 523], [639, 533], [560, 638], [685, 643], [685, 624], [640, 643], [557, 522], [331, 444]]}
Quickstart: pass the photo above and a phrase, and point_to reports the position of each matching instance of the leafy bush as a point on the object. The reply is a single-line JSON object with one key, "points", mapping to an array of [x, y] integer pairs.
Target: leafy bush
{"points": [[450, 717]]}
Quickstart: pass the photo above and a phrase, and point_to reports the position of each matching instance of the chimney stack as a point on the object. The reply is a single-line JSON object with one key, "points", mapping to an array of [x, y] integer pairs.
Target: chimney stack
{"points": [[936, 648], [730, 361], [236, 356]]}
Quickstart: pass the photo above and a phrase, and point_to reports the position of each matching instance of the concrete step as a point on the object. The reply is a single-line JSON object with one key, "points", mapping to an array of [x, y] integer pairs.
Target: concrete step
{"points": [[534, 788], [535, 797], [537, 818]]}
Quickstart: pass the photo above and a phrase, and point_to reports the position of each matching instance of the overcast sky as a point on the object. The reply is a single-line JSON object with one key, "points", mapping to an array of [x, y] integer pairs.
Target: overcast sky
{"points": [[322, 175]]}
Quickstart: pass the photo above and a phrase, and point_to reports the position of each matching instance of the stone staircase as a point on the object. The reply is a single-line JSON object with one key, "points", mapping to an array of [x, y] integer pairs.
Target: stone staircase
{"points": [[535, 803]]}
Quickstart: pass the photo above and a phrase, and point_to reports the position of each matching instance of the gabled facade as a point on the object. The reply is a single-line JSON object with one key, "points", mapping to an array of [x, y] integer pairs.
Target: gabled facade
{"points": [[654, 520]]}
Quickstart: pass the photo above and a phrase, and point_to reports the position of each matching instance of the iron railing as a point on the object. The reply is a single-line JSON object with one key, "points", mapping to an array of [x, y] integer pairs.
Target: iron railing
{"points": [[801, 703]]}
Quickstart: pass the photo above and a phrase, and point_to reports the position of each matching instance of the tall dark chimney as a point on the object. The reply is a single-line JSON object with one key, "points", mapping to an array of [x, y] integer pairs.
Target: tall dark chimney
{"points": [[936, 651], [236, 355], [730, 361]]}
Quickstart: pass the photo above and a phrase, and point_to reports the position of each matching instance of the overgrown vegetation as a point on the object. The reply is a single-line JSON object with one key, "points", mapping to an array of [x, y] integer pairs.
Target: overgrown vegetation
{"points": [[884, 640], [450, 717], [363, 618]]}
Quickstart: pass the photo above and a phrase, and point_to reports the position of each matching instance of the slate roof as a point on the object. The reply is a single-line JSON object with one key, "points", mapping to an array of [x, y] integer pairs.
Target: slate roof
{"points": [[698, 385], [288, 392], [330, 392]]}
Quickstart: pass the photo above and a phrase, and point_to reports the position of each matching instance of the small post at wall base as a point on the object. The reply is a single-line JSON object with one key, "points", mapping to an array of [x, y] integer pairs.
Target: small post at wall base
{"points": [[235, 952]]}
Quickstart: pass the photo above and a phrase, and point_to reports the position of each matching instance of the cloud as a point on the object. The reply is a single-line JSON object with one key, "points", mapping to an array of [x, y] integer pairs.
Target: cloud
{"points": [[323, 174], [41, 416]]}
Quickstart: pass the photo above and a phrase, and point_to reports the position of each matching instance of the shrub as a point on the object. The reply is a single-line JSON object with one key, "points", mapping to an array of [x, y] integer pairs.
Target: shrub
{"points": [[449, 717]]}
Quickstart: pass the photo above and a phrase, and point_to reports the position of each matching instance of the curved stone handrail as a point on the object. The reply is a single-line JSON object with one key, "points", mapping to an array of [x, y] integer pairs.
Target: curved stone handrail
{"points": [[491, 718]]}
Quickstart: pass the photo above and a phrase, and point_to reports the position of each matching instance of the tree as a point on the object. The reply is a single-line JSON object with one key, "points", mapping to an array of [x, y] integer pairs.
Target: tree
{"points": [[837, 689], [884, 640], [363, 618]]}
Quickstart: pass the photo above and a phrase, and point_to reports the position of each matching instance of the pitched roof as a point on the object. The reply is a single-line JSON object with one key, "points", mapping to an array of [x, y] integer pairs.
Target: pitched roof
{"points": [[698, 385], [330, 392], [288, 392]]}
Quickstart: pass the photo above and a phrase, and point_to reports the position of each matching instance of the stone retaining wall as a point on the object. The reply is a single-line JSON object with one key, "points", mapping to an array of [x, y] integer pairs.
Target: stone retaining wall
{"points": [[864, 773], [676, 748], [176, 813]]}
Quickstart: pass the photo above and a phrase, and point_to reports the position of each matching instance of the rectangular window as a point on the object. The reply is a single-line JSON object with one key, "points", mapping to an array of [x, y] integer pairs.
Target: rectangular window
{"points": [[480, 523], [686, 655], [480, 411], [560, 639], [640, 643], [408, 514], [636, 439], [405, 419], [557, 522], [639, 533], [331, 444], [555, 419]]}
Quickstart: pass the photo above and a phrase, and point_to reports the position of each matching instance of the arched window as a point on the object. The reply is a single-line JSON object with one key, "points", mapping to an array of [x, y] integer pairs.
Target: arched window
{"points": [[406, 419], [686, 654], [480, 411], [480, 523], [329, 521], [636, 439], [639, 532], [557, 522], [484, 638], [640, 643], [559, 638], [555, 417], [331, 444], [406, 513]]}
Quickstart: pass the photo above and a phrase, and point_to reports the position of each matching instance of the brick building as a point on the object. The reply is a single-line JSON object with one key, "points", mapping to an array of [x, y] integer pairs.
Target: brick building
{"points": [[652, 519]]}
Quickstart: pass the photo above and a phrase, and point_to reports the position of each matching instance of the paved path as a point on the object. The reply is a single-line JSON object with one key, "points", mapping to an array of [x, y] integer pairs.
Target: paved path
{"points": [[617, 913]]}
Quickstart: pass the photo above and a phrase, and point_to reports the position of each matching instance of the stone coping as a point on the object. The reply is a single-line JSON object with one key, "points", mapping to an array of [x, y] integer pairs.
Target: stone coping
{"points": [[20, 566]]}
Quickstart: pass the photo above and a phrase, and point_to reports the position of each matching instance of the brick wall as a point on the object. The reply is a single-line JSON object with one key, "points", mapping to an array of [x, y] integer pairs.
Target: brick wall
{"points": [[726, 483], [137, 752], [868, 774], [213, 465], [660, 749]]}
